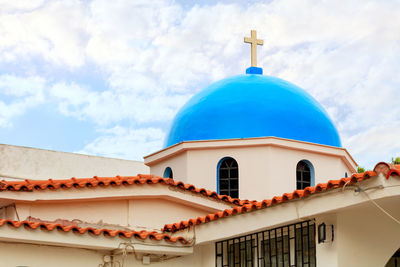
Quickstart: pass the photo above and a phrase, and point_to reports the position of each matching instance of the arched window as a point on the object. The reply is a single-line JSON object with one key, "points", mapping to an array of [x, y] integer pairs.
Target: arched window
{"points": [[304, 174], [168, 173], [228, 177]]}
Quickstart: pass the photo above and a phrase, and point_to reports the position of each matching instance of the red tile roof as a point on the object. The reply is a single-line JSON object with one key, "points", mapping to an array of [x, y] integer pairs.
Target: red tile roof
{"points": [[387, 169], [297, 194], [140, 179], [44, 226]]}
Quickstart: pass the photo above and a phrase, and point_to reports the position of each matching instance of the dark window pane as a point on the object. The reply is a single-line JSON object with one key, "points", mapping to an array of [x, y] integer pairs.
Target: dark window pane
{"points": [[224, 192], [229, 177], [223, 184], [234, 184], [224, 173], [234, 194], [168, 173], [303, 175], [234, 173], [306, 168], [299, 185]]}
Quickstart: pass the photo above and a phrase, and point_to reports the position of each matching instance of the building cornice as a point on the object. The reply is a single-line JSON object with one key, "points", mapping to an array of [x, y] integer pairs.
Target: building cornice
{"points": [[182, 147]]}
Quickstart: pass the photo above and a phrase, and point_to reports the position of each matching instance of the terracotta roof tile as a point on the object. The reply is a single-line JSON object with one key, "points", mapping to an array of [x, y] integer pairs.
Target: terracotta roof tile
{"points": [[140, 179], [322, 187], [90, 230], [387, 169]]}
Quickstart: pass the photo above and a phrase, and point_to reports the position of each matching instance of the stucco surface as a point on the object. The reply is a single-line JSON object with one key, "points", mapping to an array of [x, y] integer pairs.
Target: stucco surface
{"points": [[46, 256], [50, 256], [270, 169], [147, 213], [32, 163], [366, 236]]}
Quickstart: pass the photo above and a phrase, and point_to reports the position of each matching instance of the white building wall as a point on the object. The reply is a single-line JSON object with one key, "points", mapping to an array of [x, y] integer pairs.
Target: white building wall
{"points": [[32, 163], [367, 237], [178, 164], [149, 214], [28, 255], [155, 213], [327, 253], [264, 171], [203, 256]]}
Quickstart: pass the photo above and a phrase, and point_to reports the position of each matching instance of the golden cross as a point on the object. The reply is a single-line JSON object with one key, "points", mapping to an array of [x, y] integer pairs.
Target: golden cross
{"points": [[254, 42]]}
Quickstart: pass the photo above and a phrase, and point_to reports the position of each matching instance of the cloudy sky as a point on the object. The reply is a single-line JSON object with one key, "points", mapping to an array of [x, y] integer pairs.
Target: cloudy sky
{"points": [[106, 77]]}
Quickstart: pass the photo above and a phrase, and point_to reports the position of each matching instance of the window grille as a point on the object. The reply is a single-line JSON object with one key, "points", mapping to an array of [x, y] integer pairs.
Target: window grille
{"points": [[228, 178], [287, 246], [303, 175]]}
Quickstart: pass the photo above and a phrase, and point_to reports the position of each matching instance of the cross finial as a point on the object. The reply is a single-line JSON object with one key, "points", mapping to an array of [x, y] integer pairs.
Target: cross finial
{"points": [[254, 42]]}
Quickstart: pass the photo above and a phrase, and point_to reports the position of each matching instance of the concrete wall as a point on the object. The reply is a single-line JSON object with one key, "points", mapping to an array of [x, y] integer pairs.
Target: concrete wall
{"points": [[327, 253], [33, 163], [178, 164], [137, 213], [112, 211], [367, 237], [155, 213], [203, 256], [28, 255], [25, 255], [264, 171]]}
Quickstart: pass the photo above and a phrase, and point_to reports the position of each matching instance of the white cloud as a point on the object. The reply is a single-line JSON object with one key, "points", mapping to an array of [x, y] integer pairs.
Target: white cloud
{"points": [[126, 143], [141, 105], [375, 144], [155, 54], [17, 95], [19, 5], [55, 31]]}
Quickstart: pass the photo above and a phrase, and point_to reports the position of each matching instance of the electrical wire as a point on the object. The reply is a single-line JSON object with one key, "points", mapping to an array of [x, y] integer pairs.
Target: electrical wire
{"points": [[377, 205]]}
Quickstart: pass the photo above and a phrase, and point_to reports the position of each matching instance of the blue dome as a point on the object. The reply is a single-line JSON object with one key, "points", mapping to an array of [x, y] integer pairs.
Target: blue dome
{"points": [[252, 105]]}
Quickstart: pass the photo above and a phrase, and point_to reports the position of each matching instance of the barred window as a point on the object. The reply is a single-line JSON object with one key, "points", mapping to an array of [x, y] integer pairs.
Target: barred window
{"points": [[228, 177], [304, 172], [288, 246]]}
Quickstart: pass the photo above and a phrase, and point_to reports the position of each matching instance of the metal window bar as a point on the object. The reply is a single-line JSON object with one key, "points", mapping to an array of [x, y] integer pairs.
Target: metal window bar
{"points": [[287, 246], [303, 175], [229, 177]]}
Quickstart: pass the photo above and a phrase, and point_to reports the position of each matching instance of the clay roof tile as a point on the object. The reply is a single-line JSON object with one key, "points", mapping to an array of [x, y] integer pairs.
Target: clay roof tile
{"points": [[140, 179], [44, 226], [296, 194]]}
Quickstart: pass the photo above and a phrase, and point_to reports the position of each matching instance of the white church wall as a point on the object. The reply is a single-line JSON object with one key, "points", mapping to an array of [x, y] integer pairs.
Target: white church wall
{"points": [[50, 256], [32, 163], [155, 213], [202, 167], [269, 169], [266, 164], [111, 211], [366, 236], [178, 164], [327, 253], [203, 256], [137, 213], [283, 162], [28, 255]]}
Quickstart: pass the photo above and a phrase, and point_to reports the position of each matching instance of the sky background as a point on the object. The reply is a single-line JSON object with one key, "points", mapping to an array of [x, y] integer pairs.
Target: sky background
{"points": [[106, 77]]}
